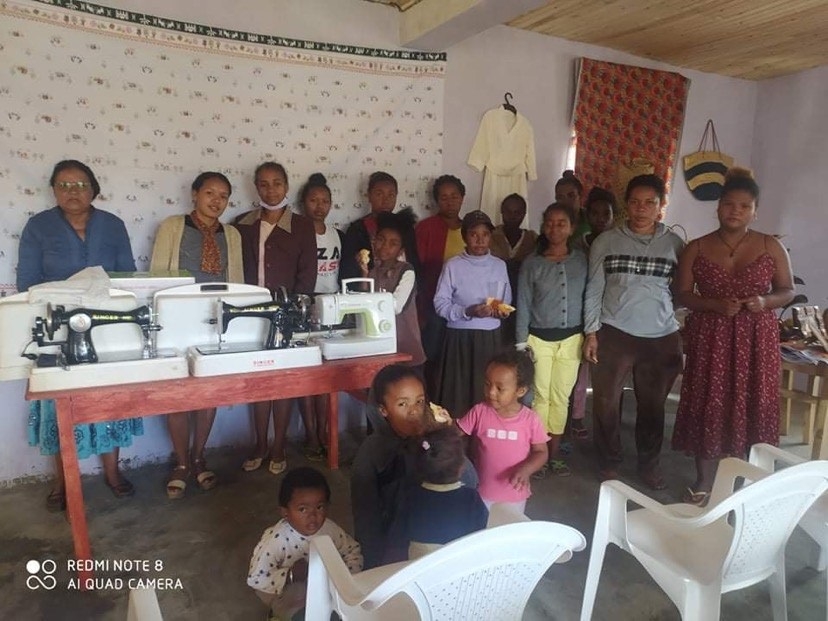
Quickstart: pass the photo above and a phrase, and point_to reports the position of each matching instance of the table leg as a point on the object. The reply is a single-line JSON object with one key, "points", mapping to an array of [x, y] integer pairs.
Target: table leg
{"points": [[811, 412], [74, 493], [787, 383], [333, 430]]}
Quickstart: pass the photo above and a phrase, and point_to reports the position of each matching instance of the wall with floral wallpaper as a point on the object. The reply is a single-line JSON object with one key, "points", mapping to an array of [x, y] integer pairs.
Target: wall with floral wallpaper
{"points": [[150, 102]]}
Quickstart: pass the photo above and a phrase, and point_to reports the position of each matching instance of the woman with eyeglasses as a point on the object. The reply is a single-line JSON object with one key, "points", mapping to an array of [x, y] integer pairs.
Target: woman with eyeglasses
{"points": [[54, 245]]}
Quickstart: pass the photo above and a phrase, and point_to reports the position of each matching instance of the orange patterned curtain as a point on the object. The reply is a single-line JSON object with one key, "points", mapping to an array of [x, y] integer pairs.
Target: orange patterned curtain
{"points": [[625, 113]]}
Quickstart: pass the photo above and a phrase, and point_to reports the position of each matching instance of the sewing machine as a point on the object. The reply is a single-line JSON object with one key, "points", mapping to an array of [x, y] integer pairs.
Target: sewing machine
{"points": [[66, 356], [78, 347], [376, 326], [234, 328], [286, 315]]}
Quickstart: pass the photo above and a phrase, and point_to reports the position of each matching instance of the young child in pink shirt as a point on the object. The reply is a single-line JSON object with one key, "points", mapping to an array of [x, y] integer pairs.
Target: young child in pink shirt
{"points": [[509, 438]]}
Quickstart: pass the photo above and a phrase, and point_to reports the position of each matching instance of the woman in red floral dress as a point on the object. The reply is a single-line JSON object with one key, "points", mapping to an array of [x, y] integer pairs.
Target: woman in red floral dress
{"points": [[731, 280]]}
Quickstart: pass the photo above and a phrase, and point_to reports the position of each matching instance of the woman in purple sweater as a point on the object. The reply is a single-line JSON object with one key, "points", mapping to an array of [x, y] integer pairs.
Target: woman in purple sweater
{"points": [[473, 325]]}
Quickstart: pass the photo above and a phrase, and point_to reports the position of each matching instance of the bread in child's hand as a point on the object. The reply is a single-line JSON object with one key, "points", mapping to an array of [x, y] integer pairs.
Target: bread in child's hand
{"points": [[364, 256], [499, 306], [439, 413]]}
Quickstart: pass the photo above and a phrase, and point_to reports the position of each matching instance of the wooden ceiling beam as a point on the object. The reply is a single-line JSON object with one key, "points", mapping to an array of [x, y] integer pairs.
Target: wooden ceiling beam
{"points": [[438, 24]]}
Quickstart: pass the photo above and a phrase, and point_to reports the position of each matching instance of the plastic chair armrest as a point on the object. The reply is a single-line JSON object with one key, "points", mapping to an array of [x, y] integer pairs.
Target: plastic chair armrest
{"points": [[323, 550], [730, 469], [621, 492], [765, 456]]}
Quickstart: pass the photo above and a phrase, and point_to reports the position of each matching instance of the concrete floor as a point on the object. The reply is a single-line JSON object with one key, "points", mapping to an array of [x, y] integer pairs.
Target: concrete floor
{"points": [[206, 539]]}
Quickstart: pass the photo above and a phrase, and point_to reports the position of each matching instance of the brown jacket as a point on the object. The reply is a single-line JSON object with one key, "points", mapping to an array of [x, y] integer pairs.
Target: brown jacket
{"points": [[290, 252]]}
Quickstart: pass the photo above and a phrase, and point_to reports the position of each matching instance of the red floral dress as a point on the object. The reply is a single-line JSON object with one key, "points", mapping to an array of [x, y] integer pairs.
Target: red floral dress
{"points": [[730, 388]]}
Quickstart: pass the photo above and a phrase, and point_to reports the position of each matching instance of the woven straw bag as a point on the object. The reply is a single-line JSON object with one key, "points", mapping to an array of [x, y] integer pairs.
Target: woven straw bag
{"points": [[704, 169]]}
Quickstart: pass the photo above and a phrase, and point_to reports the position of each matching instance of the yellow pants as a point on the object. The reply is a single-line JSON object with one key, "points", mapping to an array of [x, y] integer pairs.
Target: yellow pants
{"points": [[556, 370]]}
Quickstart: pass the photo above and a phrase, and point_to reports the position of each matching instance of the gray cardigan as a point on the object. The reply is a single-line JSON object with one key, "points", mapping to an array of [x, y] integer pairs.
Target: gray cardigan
{"points": [[550, 293]]}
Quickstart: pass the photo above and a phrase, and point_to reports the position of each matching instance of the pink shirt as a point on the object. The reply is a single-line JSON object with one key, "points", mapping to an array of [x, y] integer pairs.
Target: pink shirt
{"points": [[500, 445]]}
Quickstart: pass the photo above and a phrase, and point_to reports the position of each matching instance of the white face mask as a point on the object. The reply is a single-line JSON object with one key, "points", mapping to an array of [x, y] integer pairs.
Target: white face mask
{"points": [[274, 207]]}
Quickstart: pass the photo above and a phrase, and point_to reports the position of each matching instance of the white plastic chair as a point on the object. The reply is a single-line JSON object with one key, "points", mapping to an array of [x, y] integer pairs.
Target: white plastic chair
{"points": [[143, 606], [488, 575], [815, 520], [696, 554]]}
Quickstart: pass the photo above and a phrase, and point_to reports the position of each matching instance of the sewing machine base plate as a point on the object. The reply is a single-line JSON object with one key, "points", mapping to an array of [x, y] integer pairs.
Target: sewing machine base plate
{"points": [[247, 358], [339, 347], [113, 368]]}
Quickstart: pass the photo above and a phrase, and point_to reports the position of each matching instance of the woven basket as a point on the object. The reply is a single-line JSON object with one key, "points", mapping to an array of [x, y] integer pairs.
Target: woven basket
{"points": [[704, 170]]}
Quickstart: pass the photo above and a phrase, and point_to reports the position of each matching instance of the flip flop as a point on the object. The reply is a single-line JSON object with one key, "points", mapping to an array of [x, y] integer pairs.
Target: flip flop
{"points": [[177, 483], [580, 433], [56, 501], [559, 468], [541, 473], [653, 479], [124, 489], [277, 467], [206, 478], [254, 463], [315, 454], [691, 497]]}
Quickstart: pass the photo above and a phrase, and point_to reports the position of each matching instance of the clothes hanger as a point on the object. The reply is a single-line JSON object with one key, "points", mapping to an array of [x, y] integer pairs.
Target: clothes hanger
{"points": [[508, 104]]}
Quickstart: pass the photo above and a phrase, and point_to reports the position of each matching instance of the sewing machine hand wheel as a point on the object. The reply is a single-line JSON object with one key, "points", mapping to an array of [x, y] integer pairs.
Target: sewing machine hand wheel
{"points": [[49, 322], [280, 295], [304, 303]]}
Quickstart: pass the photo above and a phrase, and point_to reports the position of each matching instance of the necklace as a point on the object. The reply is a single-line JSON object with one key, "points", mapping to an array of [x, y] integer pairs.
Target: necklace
{"points": [[738, 243]]}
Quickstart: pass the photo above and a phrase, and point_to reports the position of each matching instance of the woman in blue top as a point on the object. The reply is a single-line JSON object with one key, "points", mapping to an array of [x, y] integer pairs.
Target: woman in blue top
{"points": [[54, 245]]}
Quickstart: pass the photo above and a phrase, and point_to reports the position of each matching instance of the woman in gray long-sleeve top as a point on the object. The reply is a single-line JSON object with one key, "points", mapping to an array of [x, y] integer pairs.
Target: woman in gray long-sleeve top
{"points": [[630, 325], [550, 321]]}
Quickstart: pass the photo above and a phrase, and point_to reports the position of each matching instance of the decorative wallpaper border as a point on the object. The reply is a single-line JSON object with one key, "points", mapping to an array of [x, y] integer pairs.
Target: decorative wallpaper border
{"points": [[99, 18]]}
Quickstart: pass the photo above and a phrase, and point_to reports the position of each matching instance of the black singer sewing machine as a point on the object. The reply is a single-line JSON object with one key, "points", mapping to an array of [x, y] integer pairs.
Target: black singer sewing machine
{"points": [[78, 347], [287, 314], [241, 347]]}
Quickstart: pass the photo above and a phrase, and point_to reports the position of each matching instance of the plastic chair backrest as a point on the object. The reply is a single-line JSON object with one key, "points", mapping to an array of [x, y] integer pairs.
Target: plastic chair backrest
{"points": [[764, 516], [488, 575]]}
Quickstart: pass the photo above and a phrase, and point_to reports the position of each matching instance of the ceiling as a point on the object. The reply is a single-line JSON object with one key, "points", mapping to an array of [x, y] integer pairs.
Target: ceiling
{"points": [[752, 39]]}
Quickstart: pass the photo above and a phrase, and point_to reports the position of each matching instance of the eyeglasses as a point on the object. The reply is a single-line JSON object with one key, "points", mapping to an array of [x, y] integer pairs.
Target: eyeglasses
{"points": [[68, 186]]}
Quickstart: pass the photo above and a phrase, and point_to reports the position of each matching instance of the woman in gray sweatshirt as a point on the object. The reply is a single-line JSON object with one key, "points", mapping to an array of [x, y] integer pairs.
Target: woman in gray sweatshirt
{"points": [[630, 326]]}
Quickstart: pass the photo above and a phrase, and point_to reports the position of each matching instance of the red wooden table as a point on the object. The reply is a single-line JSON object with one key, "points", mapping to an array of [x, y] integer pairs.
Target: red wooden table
{"points": [[108, 403]]}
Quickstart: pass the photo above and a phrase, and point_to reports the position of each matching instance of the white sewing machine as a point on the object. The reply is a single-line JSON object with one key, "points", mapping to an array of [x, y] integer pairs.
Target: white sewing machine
{"points": [[376, 327], [34, 333], [231, 328]]}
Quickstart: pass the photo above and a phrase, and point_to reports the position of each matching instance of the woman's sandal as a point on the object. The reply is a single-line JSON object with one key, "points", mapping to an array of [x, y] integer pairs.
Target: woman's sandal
{"points": [[124, 489], [254, 463], [56, 501], [206, 478], [177, 482], [579, 433], [692, 497]]}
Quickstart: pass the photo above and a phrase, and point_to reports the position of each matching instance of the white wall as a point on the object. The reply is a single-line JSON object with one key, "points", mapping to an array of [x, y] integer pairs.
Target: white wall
{"points": [[540, 72], [791, 166], [338, 21]]}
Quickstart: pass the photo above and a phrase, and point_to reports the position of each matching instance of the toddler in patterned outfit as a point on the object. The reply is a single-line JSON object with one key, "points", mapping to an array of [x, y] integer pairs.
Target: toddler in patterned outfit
{"points": [[279, 566]]}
